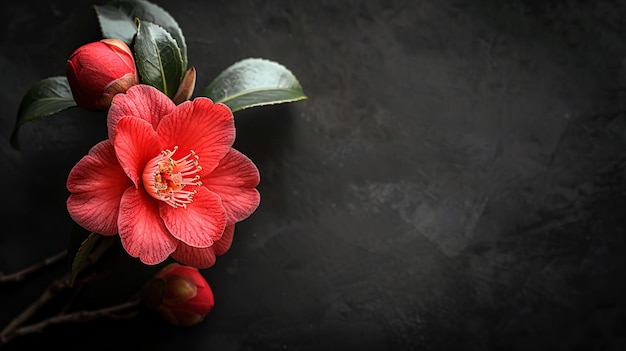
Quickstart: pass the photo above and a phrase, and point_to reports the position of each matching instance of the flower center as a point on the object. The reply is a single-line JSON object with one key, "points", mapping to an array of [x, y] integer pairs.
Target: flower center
{"points": [[165, 178]]}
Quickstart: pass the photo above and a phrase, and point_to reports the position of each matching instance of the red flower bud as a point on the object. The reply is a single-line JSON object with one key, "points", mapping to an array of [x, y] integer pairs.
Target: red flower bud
{"points": [[180, 294], [99, 70]]}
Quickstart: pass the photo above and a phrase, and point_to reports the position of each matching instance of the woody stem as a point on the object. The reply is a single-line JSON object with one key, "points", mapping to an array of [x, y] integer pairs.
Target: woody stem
{"points": [[21, 274], [76, 317], [51, 291]]}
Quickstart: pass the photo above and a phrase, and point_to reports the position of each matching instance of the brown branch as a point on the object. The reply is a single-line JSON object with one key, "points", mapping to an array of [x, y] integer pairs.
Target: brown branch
{"points": [[76, 317], [51, 291], [21, 274]]}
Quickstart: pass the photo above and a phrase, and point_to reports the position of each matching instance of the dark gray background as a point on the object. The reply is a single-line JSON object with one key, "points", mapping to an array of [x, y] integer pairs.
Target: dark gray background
{"points": [[455, 180]]}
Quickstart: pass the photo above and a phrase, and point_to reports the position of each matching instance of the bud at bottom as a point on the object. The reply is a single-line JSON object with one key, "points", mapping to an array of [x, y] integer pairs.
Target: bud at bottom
{"points": [[180, 294]]}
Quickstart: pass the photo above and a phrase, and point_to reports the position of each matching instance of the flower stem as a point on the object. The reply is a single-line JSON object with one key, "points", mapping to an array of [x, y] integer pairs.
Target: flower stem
{"points": [[46, 296], [76, 317], [51, 291], [21, 274]]}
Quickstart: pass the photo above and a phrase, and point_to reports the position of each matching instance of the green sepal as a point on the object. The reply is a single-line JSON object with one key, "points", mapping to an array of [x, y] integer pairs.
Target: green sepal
{"points": [[81, 254]]}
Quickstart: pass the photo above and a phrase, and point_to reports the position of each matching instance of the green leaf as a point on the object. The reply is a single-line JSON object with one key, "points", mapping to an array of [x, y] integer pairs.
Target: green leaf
{"points": [[158, 59], [82, 254], [254, 82], [47, 97], [117, 20]]}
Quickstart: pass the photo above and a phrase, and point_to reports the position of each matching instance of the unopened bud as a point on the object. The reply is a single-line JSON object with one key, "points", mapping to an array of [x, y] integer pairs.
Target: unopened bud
{"points": [[180, 294], [99, 70]]}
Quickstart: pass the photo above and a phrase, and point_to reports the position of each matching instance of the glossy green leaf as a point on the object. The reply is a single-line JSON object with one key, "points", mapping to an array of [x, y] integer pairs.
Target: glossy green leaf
{"points": [[82, 254], [47, 97], [117, 20], [158, 59], [254, 82]]}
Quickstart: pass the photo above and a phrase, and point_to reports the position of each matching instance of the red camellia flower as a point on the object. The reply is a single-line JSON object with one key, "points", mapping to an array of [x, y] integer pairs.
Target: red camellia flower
{"points": [[99, 70], [167, 179], [180, 294]]}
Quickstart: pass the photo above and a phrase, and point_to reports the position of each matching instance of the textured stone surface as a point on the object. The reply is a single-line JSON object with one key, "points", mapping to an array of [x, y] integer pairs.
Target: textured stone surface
{"points": [[455, 180]]}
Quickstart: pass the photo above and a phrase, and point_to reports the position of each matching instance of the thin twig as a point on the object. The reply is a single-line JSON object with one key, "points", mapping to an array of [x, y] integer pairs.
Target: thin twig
{"points": [[21, 274], [78, 286], [76, 317], [46, 296], [51, 291]]}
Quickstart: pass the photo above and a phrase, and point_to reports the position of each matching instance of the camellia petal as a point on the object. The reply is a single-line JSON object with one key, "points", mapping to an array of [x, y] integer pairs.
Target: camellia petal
{"points": [[194, 256], [142, 231], [202, 126], [201, 223], [222, 245], [97, 183], [140, 101], [135, 144], [235, 179], [204, 257]]}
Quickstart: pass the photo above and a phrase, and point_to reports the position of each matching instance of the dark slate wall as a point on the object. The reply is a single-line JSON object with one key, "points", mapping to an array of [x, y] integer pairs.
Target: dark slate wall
{"points": [[455, 180]]}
